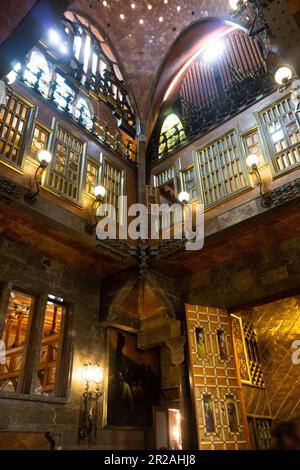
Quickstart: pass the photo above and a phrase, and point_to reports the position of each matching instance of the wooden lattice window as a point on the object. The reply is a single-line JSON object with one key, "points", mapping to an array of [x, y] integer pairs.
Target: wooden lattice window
{"points": [[65, 172], [260, 432], [34, 360], [40, 139], [92, 176], [222, 169], [253, 145], [189, 182], [112, 177], [14, 118], [283, 134]]}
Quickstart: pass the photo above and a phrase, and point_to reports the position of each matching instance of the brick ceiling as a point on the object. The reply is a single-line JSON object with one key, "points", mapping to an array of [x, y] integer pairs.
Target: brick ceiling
{"points": [[141, 48], [12, 14]]}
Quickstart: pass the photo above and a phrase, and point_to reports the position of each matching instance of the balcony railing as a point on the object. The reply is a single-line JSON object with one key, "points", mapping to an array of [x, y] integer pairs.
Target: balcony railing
{"points": [[64, 99]]}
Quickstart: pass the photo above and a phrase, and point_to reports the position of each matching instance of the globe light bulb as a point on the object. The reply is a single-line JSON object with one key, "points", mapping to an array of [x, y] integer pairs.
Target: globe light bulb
{"points": [[44, 157], [252, 160], [283, 75], [184, 197], [99, 192]]}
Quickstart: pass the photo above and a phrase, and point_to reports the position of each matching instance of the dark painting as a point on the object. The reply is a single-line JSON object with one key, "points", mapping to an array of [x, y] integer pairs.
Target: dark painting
{"points": [[132, 382], [209, 414]]}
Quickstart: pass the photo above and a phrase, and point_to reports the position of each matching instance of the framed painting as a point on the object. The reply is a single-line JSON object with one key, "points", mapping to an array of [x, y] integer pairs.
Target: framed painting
{"points": [[209, 415], [200, 342], [132, 381], [232, 414], [222, 345]]}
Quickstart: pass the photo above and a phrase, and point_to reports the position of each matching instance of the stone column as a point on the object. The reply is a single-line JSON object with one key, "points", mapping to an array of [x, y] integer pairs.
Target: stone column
{"points": [[178, 351]]}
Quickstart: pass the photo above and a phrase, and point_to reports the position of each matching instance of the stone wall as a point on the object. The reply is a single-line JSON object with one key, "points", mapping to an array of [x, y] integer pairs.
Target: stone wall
{"points": [[30, 270]]}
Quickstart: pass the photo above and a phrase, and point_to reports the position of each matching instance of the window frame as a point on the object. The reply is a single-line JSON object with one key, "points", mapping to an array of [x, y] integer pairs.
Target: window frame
{"points": [[27, 134], [239, 144], [267, 143], [30, 360]]}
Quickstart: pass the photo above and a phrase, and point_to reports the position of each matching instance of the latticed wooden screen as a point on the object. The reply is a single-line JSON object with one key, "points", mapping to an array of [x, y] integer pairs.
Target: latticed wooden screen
{"points": [[283, 134], [39, 140], [247, 352], [216, 393], [92, 176], [14, 117], [253, 145], [189, 182], [164, 176], [222, 169], [64, 176], [112, 177]]}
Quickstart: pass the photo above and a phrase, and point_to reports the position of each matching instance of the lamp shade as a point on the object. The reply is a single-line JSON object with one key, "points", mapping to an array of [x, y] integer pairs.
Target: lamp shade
{"points": [[99, 191], [282, 75], [184, 197], [252, 160], [44, 156]]}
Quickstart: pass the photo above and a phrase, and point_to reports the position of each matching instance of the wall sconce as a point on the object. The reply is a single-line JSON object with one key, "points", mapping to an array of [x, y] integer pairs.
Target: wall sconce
{"points": [[44, 158], [99, 193], [92, 373], [253, 161]]}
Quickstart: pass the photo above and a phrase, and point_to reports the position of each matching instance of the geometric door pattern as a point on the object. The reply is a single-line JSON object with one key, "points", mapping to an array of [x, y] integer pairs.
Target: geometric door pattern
{"points": [[216, 391]]}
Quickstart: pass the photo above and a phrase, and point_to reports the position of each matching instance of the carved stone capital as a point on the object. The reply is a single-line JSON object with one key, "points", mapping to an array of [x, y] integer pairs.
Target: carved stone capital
{"points": [[176, 347]]}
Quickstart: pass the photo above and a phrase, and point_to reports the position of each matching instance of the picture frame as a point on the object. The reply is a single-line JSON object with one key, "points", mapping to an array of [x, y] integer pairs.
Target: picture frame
{"points": [[232, 415], [209, 413], [200, 344], [131, 382], [222, 344]]}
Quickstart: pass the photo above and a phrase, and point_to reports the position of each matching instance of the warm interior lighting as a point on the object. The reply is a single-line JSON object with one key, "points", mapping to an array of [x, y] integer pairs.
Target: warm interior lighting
{"points": [[93, 373], [252, 160], [98, 374], [283, 75], [99, 191], [44, 157], [88, 372], [214, 51], [183, 197]]}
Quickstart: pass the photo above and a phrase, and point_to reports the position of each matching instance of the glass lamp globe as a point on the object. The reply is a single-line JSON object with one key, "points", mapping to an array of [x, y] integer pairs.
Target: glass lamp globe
{"points": [[184, 197], [99, 192], [98, 374], [44, 157], [252, 160], [283, 75], [88, 372]]}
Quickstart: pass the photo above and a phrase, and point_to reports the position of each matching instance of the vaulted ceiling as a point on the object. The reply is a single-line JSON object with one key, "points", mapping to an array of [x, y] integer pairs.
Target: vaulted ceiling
{"points": [[142, 46]]}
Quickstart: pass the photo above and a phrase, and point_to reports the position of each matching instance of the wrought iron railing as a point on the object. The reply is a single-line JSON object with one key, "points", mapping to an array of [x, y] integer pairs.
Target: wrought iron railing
{"points": [[65, 101], [198, 120]]}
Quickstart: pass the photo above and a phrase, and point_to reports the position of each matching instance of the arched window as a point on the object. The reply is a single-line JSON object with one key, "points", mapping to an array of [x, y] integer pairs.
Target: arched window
{"points": [[37, 70], [83, 113], [171, 135]]}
